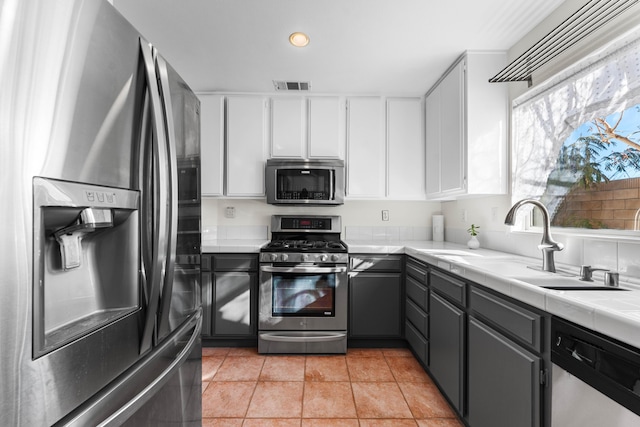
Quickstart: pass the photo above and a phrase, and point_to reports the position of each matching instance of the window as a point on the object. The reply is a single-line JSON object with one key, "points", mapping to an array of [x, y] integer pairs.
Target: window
{"points": [[577, 141]]}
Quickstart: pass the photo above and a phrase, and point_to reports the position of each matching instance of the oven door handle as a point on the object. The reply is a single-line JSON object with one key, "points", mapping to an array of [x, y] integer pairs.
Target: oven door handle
{"points": [[303, 270], [326, 337]]}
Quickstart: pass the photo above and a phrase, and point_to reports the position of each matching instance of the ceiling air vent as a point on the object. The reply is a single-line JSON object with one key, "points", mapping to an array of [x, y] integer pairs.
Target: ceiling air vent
{"points": [[291, 86]]}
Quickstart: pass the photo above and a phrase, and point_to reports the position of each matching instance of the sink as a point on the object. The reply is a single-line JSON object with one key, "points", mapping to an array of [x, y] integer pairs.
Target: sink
{"points": [[566, 284]]}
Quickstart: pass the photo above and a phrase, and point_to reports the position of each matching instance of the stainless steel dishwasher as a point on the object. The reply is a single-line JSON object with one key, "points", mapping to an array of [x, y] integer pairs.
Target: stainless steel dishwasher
{"points": [[595, 379]]}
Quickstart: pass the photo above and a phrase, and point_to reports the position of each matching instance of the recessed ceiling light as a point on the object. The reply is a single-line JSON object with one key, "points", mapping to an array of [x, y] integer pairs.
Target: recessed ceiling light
{"points": [[299, 39]]}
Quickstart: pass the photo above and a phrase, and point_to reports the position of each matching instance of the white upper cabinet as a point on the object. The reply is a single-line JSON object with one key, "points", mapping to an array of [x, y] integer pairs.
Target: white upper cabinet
{"points": [[245, 145], [466, 129], [366, 157], [288, 137], [405, 149], [307, 128], [212, 144], [326, 127]]}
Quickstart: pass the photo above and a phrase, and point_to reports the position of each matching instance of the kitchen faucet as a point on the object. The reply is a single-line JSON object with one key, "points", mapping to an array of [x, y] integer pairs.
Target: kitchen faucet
{"points": [[548, 246]]}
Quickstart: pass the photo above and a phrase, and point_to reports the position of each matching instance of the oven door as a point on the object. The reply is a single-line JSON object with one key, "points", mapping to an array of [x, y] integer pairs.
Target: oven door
{"points": [[303, 298]]}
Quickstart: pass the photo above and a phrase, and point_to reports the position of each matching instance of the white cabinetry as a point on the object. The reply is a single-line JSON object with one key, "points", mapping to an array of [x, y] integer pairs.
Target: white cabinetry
{"points": [[307, 128], [326, 127], [366, 165], [405, 149], [246, 145], [466, 129], [287, 127], [212, 144]]}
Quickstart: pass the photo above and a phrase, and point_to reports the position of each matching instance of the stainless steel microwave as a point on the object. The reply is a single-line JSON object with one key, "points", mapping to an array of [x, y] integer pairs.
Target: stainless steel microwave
{"points": [[305, 182]]}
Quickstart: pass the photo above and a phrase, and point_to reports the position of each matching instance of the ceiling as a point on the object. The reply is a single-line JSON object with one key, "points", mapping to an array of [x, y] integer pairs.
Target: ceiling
{"points": [[398, 47]]}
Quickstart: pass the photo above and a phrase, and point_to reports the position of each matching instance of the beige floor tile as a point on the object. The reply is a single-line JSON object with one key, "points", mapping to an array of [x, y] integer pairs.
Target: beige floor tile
{"points": [[326, 368], [387, 423], [215, 351], [335, 422], [271, 422], [283, 368], [222, 422], [379, 400], [425, 401], [227, 399], [369, 369], [407, 369], [240, 368], [440, 422], [328, 400], [276, 399], [210, 365]]}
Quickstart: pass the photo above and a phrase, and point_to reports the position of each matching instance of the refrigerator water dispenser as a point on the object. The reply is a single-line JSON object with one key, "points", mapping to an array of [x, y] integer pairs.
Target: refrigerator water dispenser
{"points": [[86, 260]]}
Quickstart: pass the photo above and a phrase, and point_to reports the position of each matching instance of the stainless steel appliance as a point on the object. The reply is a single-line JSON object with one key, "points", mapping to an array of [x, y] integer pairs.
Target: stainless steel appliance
{"points": [[595, 379], [303, 287], [100, 287], [304, 182]]}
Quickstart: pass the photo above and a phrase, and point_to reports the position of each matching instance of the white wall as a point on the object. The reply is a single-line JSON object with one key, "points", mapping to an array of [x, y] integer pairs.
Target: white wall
{"points": [[257, 213]]}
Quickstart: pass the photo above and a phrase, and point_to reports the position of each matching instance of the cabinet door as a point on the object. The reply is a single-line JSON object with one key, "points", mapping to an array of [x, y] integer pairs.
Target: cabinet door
{"points": [[212, 144], [452, 153], [504, 380], [245, 145], [287, 127], [325, 137], [432, 142], [376, 305], [405, 149], [365, 148], [234, 306], [446, 338]]}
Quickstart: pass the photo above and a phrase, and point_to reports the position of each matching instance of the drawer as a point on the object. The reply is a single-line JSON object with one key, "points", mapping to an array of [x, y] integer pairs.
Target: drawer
{"points": [[417, 317], [418, 343], [448, 286], [418, 293], [522, 324], [234, 262], [417, 271], [375, 263]]}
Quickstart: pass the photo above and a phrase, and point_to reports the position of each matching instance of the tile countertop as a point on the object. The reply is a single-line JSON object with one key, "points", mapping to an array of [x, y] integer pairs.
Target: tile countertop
{"points": [[613, 313]]}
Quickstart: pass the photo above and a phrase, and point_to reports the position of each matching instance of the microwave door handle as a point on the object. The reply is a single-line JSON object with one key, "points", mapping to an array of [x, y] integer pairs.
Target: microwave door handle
{"points": [[308, 270]]}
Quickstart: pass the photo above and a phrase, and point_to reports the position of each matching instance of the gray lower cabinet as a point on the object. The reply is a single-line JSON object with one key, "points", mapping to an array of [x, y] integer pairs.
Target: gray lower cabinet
{"points": [[229, 296], [503, 380], [447, 347], [375, 296], [416, 329]]}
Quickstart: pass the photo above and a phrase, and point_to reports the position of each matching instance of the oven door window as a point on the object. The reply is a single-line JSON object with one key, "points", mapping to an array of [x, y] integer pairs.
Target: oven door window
{"points": [[309, 295]]}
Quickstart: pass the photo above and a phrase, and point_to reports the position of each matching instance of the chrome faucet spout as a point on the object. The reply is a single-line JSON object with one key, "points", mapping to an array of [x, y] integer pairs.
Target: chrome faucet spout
{"points": [[548, 246]]}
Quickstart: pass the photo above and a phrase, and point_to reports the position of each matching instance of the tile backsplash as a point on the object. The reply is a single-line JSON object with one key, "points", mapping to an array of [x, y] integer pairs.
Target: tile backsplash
{"points": [[400, 233]]}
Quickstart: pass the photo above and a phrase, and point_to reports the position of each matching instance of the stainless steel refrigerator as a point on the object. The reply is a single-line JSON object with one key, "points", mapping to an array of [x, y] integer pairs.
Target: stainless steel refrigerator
{"points": [[100, 310]]}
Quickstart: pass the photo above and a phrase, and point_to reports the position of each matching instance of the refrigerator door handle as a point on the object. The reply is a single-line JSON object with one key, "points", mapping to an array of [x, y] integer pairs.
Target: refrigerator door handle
{"points": [[161, 198], [172, 169]]}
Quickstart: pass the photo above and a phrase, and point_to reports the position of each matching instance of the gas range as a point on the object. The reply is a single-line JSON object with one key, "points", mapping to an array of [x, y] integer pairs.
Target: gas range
{"points": [[305, 239]]}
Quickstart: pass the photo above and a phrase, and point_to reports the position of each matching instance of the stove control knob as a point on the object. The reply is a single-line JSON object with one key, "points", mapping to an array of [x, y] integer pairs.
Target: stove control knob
{"points": [[304, 257], [273, 257], [335, 257], [323, 258], [284, 257]]}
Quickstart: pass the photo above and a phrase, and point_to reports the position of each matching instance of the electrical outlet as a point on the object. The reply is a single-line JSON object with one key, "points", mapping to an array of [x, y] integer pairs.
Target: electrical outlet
{"points": [[494, 214], [385, 215], [229, 212], [463, 215]]}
